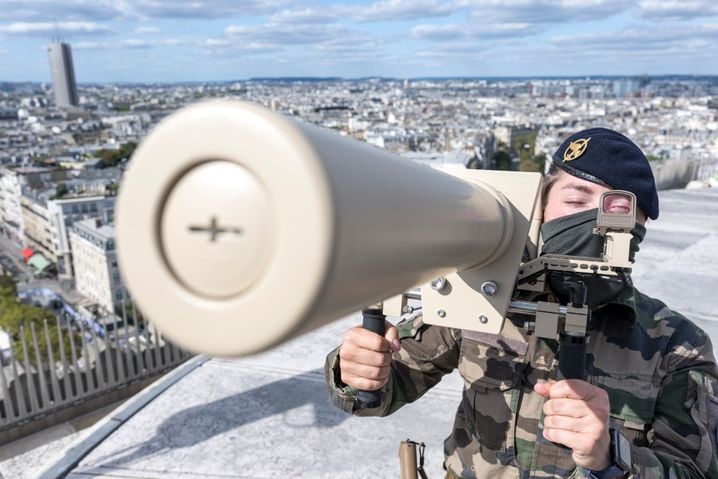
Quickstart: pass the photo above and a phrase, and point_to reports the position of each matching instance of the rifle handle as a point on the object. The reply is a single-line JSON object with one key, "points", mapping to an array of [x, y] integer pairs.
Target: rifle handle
{"points": [[572, 357], [372, 320]]}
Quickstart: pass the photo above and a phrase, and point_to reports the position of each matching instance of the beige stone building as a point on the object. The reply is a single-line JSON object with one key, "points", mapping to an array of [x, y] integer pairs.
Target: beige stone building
{"points": [[12, 182], [37, 229], [94, 259]]}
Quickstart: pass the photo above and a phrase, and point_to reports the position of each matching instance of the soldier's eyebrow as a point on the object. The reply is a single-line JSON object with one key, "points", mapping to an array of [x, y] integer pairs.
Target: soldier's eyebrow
{"points": [[578, 187]]}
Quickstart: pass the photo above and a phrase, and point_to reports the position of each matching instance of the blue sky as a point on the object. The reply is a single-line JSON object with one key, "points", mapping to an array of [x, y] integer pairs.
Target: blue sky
{"points": [[201, 40]]}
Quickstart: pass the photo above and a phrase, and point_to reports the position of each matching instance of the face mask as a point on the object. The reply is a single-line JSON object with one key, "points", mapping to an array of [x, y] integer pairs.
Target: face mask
{"points": [[573, 235]]}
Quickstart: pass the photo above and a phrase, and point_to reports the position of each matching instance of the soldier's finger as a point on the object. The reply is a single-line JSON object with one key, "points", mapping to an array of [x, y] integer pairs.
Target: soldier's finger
{"points": [[566, 423], [367, 372], [543, 388], [392, 336], [362, 384], [565, 407], [366, 339], [570, 439], [350, 353], [576, 389]]}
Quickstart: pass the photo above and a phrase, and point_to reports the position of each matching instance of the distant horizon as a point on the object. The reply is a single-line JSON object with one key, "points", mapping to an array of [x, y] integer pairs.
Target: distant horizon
{"points": [[143, 41], [292, 78]]}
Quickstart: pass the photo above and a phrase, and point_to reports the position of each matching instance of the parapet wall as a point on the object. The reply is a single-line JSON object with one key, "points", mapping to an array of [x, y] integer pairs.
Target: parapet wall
{"points": [[673, 174]]}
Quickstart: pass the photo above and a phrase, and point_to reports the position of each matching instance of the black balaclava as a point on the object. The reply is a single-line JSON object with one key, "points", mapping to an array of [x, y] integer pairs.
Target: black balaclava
{"points": [[572, 235]]}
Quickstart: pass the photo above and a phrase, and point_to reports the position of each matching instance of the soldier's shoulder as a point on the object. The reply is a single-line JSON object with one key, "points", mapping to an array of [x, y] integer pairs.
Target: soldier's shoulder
{"points": [[659, 321]]}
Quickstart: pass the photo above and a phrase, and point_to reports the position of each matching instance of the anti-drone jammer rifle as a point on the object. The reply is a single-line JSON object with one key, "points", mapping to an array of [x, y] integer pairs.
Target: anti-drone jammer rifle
{"points": [[239, 228]]}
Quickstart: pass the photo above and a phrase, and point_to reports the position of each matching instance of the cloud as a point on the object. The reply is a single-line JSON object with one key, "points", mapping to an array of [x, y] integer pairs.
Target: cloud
{"points": [[278, 34], [47, 28], [318, 43], [393, 10], [666, 45], [470, 50], [100, 10], [384, 10], [129, 43], [438, 32], [676, 10], [307, 15], [216, 42], [61, 10], [545, 11], [146, 30], [632, 39], [346, 46], [452, 32], [203, 8]]}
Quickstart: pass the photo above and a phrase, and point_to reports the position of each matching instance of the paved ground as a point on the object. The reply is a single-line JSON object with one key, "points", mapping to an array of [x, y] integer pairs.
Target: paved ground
{"points": [[267, 416], [25, 458]]}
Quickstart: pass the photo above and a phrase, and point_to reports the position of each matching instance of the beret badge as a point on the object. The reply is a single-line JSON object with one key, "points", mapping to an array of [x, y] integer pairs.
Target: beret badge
{"points": [[575, 149]]}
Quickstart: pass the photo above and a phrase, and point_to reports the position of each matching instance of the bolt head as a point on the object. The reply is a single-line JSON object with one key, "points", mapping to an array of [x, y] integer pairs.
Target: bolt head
{"points": [[441, 313], [489, 288], [483, 319], [438, 284]]}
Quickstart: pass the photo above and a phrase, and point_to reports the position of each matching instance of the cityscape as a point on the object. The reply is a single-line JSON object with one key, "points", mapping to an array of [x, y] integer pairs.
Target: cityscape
{"points": [[64, 147]]}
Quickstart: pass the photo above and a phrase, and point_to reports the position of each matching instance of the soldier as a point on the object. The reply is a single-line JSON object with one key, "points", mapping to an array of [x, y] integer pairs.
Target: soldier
{"points": [[649, 405]]}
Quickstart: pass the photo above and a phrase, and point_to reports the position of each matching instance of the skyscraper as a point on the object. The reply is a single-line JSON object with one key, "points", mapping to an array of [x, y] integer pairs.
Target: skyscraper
{"points": [[63, 75]]}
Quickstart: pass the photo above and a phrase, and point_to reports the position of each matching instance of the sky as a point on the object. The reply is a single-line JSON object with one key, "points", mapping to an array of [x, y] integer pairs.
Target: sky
{"points": [[219, 40]]}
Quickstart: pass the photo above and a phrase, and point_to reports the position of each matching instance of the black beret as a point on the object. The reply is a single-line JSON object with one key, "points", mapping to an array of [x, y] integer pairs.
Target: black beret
{"points": [[610, 159]]}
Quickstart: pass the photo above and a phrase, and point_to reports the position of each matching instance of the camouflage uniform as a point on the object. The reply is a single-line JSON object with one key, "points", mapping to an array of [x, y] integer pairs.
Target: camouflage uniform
{"points": [[657, 367]]}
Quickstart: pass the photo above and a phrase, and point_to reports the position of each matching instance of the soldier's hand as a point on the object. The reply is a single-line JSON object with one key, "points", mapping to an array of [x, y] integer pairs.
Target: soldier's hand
{"points": [[364, 357], [576, 415]]}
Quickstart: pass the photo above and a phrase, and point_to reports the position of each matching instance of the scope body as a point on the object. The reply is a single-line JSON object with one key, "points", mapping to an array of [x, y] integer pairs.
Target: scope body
{"points": [[239, 228]]}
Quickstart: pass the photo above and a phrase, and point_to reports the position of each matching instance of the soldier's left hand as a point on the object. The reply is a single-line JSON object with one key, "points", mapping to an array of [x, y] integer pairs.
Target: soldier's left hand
{"points": [[576, 415]]}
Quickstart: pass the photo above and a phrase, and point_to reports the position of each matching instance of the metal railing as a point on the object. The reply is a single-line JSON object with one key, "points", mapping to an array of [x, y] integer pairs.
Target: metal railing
{"points": [[53, 369]]}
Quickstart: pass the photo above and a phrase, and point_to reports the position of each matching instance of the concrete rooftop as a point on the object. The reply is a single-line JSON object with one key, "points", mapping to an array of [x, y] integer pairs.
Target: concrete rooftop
{"points": [[267, 416]]}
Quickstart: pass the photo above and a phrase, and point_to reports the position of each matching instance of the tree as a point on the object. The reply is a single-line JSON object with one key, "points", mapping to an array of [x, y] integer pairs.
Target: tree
{"points": [[535, 163], [112, 158], [8, 286], [502, 160], [18, 319], [60, 191]]}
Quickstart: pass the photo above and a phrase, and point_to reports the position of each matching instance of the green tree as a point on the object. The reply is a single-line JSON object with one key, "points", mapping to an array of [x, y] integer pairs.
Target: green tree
{"points": [[60, 191], [113, 157], [502, 160], [535, 163], [8, 286], [18, 319]]}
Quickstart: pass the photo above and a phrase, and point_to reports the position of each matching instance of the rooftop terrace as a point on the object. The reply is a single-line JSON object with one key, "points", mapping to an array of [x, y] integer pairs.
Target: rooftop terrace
{"points": [[267, 416]]}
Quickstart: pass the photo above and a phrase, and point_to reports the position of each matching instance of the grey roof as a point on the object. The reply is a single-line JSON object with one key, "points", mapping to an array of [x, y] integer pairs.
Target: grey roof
{"points": [[267, 416]]}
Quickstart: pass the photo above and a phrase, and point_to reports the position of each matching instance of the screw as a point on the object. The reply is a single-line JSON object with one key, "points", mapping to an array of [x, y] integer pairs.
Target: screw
{"points": [[440, 313], [489, 288], [438, 284], [483, 319]]}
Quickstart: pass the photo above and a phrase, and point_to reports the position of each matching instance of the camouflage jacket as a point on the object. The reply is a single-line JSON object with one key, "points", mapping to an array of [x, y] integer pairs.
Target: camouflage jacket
{"points": [[657, 367]]}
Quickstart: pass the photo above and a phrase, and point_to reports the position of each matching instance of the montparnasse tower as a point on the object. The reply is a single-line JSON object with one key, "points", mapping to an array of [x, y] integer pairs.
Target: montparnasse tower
{"points": [[63, 75]]}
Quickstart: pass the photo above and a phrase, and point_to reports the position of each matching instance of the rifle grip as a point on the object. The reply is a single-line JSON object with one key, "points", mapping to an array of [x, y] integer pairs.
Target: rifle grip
{"points": [[373, 320]]}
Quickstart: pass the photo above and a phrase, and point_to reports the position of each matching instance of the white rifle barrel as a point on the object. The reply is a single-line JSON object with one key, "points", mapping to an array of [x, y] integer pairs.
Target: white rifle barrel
{"points": [[239, 228]]}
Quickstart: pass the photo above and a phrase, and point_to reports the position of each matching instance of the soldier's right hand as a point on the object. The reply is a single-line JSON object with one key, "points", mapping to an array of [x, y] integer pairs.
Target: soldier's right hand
{"points": [[364, 357]]}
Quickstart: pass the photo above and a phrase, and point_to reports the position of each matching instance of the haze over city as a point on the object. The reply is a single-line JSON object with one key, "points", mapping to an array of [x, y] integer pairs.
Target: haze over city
{"points": [[167, 41]]}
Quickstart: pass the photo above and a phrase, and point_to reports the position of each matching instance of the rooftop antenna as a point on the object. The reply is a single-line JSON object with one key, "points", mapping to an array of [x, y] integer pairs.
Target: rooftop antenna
{"points": [[57, 33]]}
